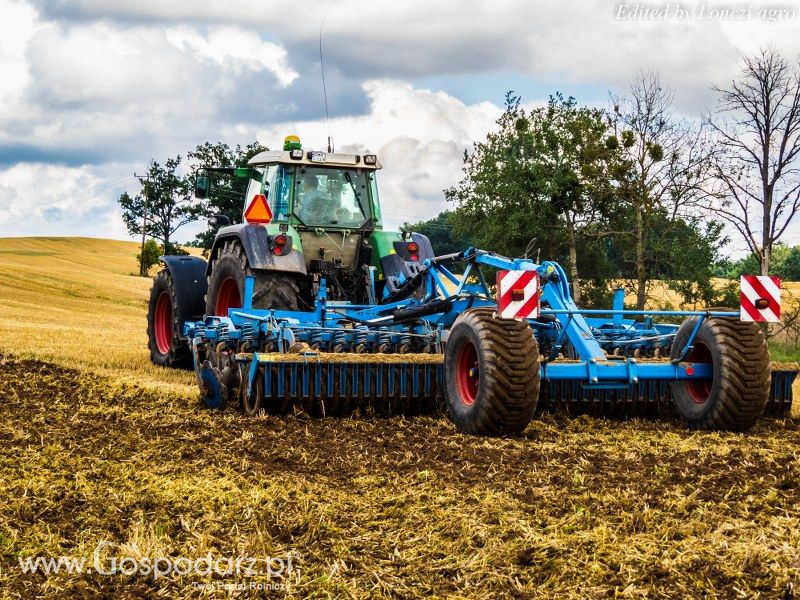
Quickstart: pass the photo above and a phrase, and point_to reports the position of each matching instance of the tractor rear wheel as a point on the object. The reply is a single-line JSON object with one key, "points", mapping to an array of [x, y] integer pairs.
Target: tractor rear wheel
{"points": [[491, 373], [734, 398], [167, 349], [272, 289]]}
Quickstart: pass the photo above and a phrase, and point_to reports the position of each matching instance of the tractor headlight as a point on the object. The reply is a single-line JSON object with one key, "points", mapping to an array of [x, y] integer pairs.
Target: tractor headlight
{"points": [[370, 159]]}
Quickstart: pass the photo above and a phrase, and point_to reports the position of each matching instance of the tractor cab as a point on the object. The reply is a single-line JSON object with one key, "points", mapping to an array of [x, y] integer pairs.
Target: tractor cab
{"points": [[312, 190], [317, 216]]}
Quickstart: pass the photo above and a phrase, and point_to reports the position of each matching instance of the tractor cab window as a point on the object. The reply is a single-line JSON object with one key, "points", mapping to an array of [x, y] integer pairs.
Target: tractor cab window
{"points": [[254, 187], [278, 184], [326, 197]]}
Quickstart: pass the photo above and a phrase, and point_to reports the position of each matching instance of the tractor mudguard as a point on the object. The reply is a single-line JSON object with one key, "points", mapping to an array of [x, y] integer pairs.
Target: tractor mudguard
{"points": [[189, 278], [398, 267], [255, 240]]}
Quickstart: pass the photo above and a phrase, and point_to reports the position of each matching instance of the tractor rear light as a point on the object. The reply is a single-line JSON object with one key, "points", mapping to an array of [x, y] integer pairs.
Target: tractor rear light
{"points": [[281, 244], [413, 247], [278, 244], [517, 294], [415, 257], [762, 303]]}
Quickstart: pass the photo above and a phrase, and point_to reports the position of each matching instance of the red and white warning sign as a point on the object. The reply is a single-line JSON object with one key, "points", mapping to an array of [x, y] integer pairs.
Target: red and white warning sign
{"points": [[760, 298], [518, 294]]}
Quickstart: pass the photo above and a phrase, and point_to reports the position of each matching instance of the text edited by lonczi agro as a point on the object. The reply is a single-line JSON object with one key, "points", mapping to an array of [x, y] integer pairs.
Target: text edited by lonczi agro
{"points": [[709, 11]]}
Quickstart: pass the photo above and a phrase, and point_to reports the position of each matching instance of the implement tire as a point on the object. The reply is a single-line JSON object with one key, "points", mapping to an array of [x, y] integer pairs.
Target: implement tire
{"points": [[167, 349], [491, 373], [736, 395]]}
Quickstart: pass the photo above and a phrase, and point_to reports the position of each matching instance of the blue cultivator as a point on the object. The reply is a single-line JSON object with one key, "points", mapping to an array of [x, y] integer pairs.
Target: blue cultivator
{"points": [[311, 302], [443, 334]]}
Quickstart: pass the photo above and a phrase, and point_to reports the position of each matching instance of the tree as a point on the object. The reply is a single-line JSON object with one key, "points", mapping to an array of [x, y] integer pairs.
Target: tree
{"points": [[665, 163], [784, 262], [149, 256], [758, 172], [165, 199], [227, 193], [538, 183]]}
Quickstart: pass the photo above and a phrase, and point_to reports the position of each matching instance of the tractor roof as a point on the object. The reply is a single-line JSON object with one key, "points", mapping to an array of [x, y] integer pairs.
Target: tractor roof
{"points": [[317, 159]]}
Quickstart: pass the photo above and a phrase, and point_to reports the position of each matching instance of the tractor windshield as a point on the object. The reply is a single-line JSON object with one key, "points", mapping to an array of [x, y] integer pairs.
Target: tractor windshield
{"points": [[327, 197]]}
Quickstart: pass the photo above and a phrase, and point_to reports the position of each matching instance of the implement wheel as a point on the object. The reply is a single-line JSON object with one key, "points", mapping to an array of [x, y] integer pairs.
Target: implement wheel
{"points": [[491, 373], [167, 349], [734, 398]]}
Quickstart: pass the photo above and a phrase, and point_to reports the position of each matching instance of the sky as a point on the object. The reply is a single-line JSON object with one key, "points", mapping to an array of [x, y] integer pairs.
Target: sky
{"points": [[91, 90]]}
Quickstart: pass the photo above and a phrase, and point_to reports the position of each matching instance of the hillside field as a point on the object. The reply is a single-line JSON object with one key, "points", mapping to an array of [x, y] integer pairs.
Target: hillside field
{"points": [[97, 445]]}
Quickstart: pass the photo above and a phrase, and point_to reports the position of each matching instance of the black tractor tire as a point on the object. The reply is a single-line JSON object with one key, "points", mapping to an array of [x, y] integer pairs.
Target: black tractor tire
{"points": [[272, 290], [491, 373], [736, 395], [167, 349]]}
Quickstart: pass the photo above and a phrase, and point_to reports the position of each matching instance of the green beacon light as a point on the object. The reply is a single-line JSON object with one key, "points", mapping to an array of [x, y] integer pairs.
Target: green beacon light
{"points": [[292, 142]]}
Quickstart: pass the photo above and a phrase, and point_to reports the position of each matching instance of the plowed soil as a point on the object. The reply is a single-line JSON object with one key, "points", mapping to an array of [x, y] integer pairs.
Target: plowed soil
{"points": [[580, 507]]}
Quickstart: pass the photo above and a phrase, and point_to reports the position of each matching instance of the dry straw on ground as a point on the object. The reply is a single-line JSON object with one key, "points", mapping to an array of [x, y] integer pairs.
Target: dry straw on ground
{"points": [[375, 507], [389, 507]]}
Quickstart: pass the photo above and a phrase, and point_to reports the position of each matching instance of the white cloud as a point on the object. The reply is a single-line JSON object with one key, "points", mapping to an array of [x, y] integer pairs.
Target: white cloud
{"points": [[235, 48], [419, 135], [112, 83], [17, 27], [42, 199]]}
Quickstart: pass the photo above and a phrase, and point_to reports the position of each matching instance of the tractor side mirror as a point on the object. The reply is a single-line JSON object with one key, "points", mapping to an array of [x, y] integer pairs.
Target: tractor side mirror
{"points": [[218, 221], [202, 186]]}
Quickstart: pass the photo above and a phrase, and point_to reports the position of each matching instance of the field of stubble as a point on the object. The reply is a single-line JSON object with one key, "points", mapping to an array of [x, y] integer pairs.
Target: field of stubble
{"points": [[98, 446]]}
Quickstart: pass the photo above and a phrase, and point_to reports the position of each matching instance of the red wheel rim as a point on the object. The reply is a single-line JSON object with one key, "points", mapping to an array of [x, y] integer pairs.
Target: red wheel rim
{"points": [[467, 373], [162, 324], [227, 297], [699, 389]]}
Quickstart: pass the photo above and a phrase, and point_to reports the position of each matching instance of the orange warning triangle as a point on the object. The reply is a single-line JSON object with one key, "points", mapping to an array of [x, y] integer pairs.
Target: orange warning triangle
{"points": [[258, 211]]}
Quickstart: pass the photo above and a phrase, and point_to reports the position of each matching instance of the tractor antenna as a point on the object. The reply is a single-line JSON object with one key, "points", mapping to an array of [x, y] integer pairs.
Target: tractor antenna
{"points": [[324, 88]]}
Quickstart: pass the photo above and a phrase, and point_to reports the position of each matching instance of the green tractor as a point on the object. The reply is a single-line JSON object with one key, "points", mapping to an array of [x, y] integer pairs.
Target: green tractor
{"points": [[310, 217]]}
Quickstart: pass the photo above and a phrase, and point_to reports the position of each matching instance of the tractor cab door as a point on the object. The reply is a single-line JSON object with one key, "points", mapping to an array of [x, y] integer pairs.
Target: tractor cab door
{"points": [[275, 182]]}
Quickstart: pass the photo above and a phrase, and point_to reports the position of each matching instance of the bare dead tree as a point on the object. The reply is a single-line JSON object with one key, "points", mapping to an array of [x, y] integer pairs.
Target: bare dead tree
{"points": [[668, 161], [757, 171]]}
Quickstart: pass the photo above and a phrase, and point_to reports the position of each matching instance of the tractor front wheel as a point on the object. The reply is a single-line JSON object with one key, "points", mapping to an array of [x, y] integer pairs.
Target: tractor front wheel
{"points": [[734, 398], [491, 373]]}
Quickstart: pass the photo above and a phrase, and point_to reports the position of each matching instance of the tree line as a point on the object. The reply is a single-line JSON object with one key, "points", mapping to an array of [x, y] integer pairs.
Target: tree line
{"points": [[634, 191]]}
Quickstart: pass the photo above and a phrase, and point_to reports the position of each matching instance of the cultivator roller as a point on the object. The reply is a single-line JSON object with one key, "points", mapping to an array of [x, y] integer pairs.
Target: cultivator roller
{"points": [[328, 384]]}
